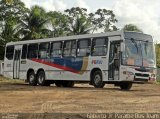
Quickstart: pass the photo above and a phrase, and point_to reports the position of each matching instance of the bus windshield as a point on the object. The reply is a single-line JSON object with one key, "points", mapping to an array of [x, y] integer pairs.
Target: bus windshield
{"points": [[139, 53]]}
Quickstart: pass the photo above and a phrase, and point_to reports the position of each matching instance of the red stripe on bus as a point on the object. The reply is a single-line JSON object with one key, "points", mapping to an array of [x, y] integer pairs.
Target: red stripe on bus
{"points": [[56, 65]]}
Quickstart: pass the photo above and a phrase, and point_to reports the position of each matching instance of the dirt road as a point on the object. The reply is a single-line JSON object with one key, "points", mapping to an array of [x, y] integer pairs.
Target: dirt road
{"points": [[20, 97]]}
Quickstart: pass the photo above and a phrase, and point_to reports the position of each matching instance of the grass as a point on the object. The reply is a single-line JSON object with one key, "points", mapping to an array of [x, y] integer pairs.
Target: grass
{"points": [[158, 82], [7, 80]]}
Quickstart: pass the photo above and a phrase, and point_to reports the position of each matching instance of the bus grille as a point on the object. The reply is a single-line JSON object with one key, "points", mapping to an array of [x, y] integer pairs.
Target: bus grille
{"points": [[141, 75]]}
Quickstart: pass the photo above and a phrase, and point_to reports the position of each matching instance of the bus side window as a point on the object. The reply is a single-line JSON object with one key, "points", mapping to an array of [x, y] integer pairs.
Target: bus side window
{"points": [[56, 49], [32, 51], [10, 52], [43, 50], [99, 47], [69, 48], [83, 47], [24, 52]]}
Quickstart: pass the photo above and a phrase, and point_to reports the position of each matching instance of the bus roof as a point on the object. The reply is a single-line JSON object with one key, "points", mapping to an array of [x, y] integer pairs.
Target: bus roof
{"points": [[114, 33]]}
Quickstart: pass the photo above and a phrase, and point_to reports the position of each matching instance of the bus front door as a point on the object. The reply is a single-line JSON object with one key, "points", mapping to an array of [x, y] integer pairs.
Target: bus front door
{"points": [[16, 62], [114, 60]]}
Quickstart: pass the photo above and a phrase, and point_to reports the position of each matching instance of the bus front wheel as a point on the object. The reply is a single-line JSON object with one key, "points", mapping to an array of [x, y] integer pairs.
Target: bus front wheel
{"points": [[126, 86], [32, 79], [97, 80]]}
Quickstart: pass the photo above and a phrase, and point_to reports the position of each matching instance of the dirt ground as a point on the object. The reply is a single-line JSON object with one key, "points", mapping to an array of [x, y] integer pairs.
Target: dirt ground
{"points": [[16, 96]]}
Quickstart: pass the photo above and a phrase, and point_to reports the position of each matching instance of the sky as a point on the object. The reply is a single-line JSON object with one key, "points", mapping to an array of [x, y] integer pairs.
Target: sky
{"points": [[143, 13]]}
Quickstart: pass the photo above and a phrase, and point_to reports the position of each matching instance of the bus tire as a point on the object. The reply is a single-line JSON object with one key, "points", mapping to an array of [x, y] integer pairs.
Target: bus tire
{"points": [[126, 86], [97, 80], [68, 83], [32, 79], [41, 79]]}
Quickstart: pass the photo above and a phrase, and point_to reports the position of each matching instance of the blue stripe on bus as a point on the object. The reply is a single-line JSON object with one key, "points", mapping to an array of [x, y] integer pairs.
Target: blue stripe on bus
{"points": [[75, 65]]}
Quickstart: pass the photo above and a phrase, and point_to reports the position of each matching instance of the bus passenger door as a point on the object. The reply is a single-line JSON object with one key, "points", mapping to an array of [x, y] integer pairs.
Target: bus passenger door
{"points": [[16, 62], [114, 60]]}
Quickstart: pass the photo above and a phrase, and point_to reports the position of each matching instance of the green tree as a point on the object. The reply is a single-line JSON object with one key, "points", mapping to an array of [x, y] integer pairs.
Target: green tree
{"points": [[78, 21], [103, 19], [12, 11], [58, 24], [9, 33], [34, 24], [131, 27]]}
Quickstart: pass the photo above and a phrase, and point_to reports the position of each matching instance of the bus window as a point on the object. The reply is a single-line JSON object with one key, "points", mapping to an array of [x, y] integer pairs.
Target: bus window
{"points": [[99, 47], [24, 52], [9, 52], [43, 50], [69, 48], [83, 47], [32, 51], [56, 49]]}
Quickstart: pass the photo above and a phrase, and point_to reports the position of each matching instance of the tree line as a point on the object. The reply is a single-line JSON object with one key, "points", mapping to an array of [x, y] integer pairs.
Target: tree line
{"points": [[18, 22]]}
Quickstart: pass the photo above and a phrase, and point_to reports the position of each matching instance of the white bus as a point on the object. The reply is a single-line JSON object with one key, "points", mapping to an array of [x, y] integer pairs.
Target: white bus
{"points": [[1, 67], [119, 58]]}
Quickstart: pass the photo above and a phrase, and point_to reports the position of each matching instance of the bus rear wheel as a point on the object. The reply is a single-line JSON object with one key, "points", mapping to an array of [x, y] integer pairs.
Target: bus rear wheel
{"points": [[97, 80], [32, 79], [42, 80], [126, 86]]}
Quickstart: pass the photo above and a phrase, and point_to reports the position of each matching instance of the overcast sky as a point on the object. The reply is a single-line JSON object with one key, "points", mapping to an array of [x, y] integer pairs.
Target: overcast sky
{"points": [[143, 13]]}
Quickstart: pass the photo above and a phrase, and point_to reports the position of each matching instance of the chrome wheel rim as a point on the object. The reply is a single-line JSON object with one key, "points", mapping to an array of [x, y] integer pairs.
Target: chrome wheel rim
{"points": [[40, 79], [31, 78]]}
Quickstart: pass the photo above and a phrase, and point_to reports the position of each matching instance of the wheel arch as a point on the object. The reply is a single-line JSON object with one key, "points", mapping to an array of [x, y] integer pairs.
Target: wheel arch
{"points": [[29, 71], [93, 71], [40, 69]]}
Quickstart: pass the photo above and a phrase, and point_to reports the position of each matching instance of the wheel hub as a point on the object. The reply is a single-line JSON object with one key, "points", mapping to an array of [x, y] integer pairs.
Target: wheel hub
{"points": [[40, 79], [31, 78], [97, 79]]}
